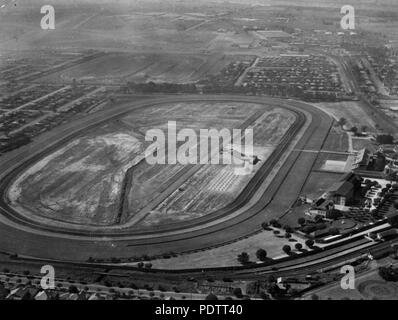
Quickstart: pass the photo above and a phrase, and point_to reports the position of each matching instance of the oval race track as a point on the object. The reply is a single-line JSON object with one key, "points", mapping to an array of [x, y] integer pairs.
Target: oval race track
{"points": [[27, 237]]}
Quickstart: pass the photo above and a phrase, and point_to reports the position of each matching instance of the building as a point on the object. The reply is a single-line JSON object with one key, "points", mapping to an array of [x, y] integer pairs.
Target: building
{"points": [[362, 160], [370, 165], [342, 193], [388, 234], [321, 208]]}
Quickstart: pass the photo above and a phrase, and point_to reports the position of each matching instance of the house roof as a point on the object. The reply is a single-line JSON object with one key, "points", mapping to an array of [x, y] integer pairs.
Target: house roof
{"points": [[322, 204], [320, 233], [350, 177], [42, 295], [93, 297], [362, 158], [341, 188]]}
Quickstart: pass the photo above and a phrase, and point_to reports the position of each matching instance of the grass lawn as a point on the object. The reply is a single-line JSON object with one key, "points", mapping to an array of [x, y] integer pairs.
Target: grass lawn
{"points": [[336, 141], [318, 183], [227, 255], [358, 144], [324, 157]]}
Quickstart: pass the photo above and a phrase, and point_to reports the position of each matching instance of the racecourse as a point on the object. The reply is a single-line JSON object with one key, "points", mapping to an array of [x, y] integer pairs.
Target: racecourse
{"points": [[268, 195]]}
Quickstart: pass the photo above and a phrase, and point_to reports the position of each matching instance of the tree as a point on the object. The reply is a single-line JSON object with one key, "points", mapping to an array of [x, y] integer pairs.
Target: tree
{"points": [[298, 246], [354, 130], [271, 279], [238, 292], [288, 235], [140, 265], [287, 249], [73, 289], [301, 221], [211, 296], [318, 218], [342, 121], [274, 223], [288, 229], [334, 231], [333, 214], [385, 139], [243, 258], [309, 243], [264, 296], [314, 297], [261, 254], [265, 225]]}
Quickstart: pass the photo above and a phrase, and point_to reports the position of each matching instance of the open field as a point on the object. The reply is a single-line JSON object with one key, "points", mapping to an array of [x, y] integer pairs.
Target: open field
{"points": [[80, 183], [352, 112], [318, 183], [95, 29], [361, 143], [144, 67], [227, 255], [337, 140], [214, 186], [325, 158], [210, 189]]}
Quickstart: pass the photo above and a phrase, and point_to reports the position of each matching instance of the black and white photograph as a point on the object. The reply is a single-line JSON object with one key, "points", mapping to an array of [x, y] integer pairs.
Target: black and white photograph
{"points": [[179, 151]]}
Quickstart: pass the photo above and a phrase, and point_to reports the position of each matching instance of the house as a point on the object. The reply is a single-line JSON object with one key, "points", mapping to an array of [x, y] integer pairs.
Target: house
{"points": [[73, 296], [42, 295], [362, 160], [341, 193], [321, 208], [23, 293], [353, 178], [366, 161], [93, 297], [388, 234], [320, 233]]}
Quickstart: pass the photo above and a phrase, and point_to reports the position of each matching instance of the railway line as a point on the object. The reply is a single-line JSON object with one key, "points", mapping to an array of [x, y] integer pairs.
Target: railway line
{"points": [[330, 259]]}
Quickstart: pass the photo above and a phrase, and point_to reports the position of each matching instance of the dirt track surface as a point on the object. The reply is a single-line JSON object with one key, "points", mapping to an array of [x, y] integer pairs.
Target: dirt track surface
{"points": [[21, 237]]}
